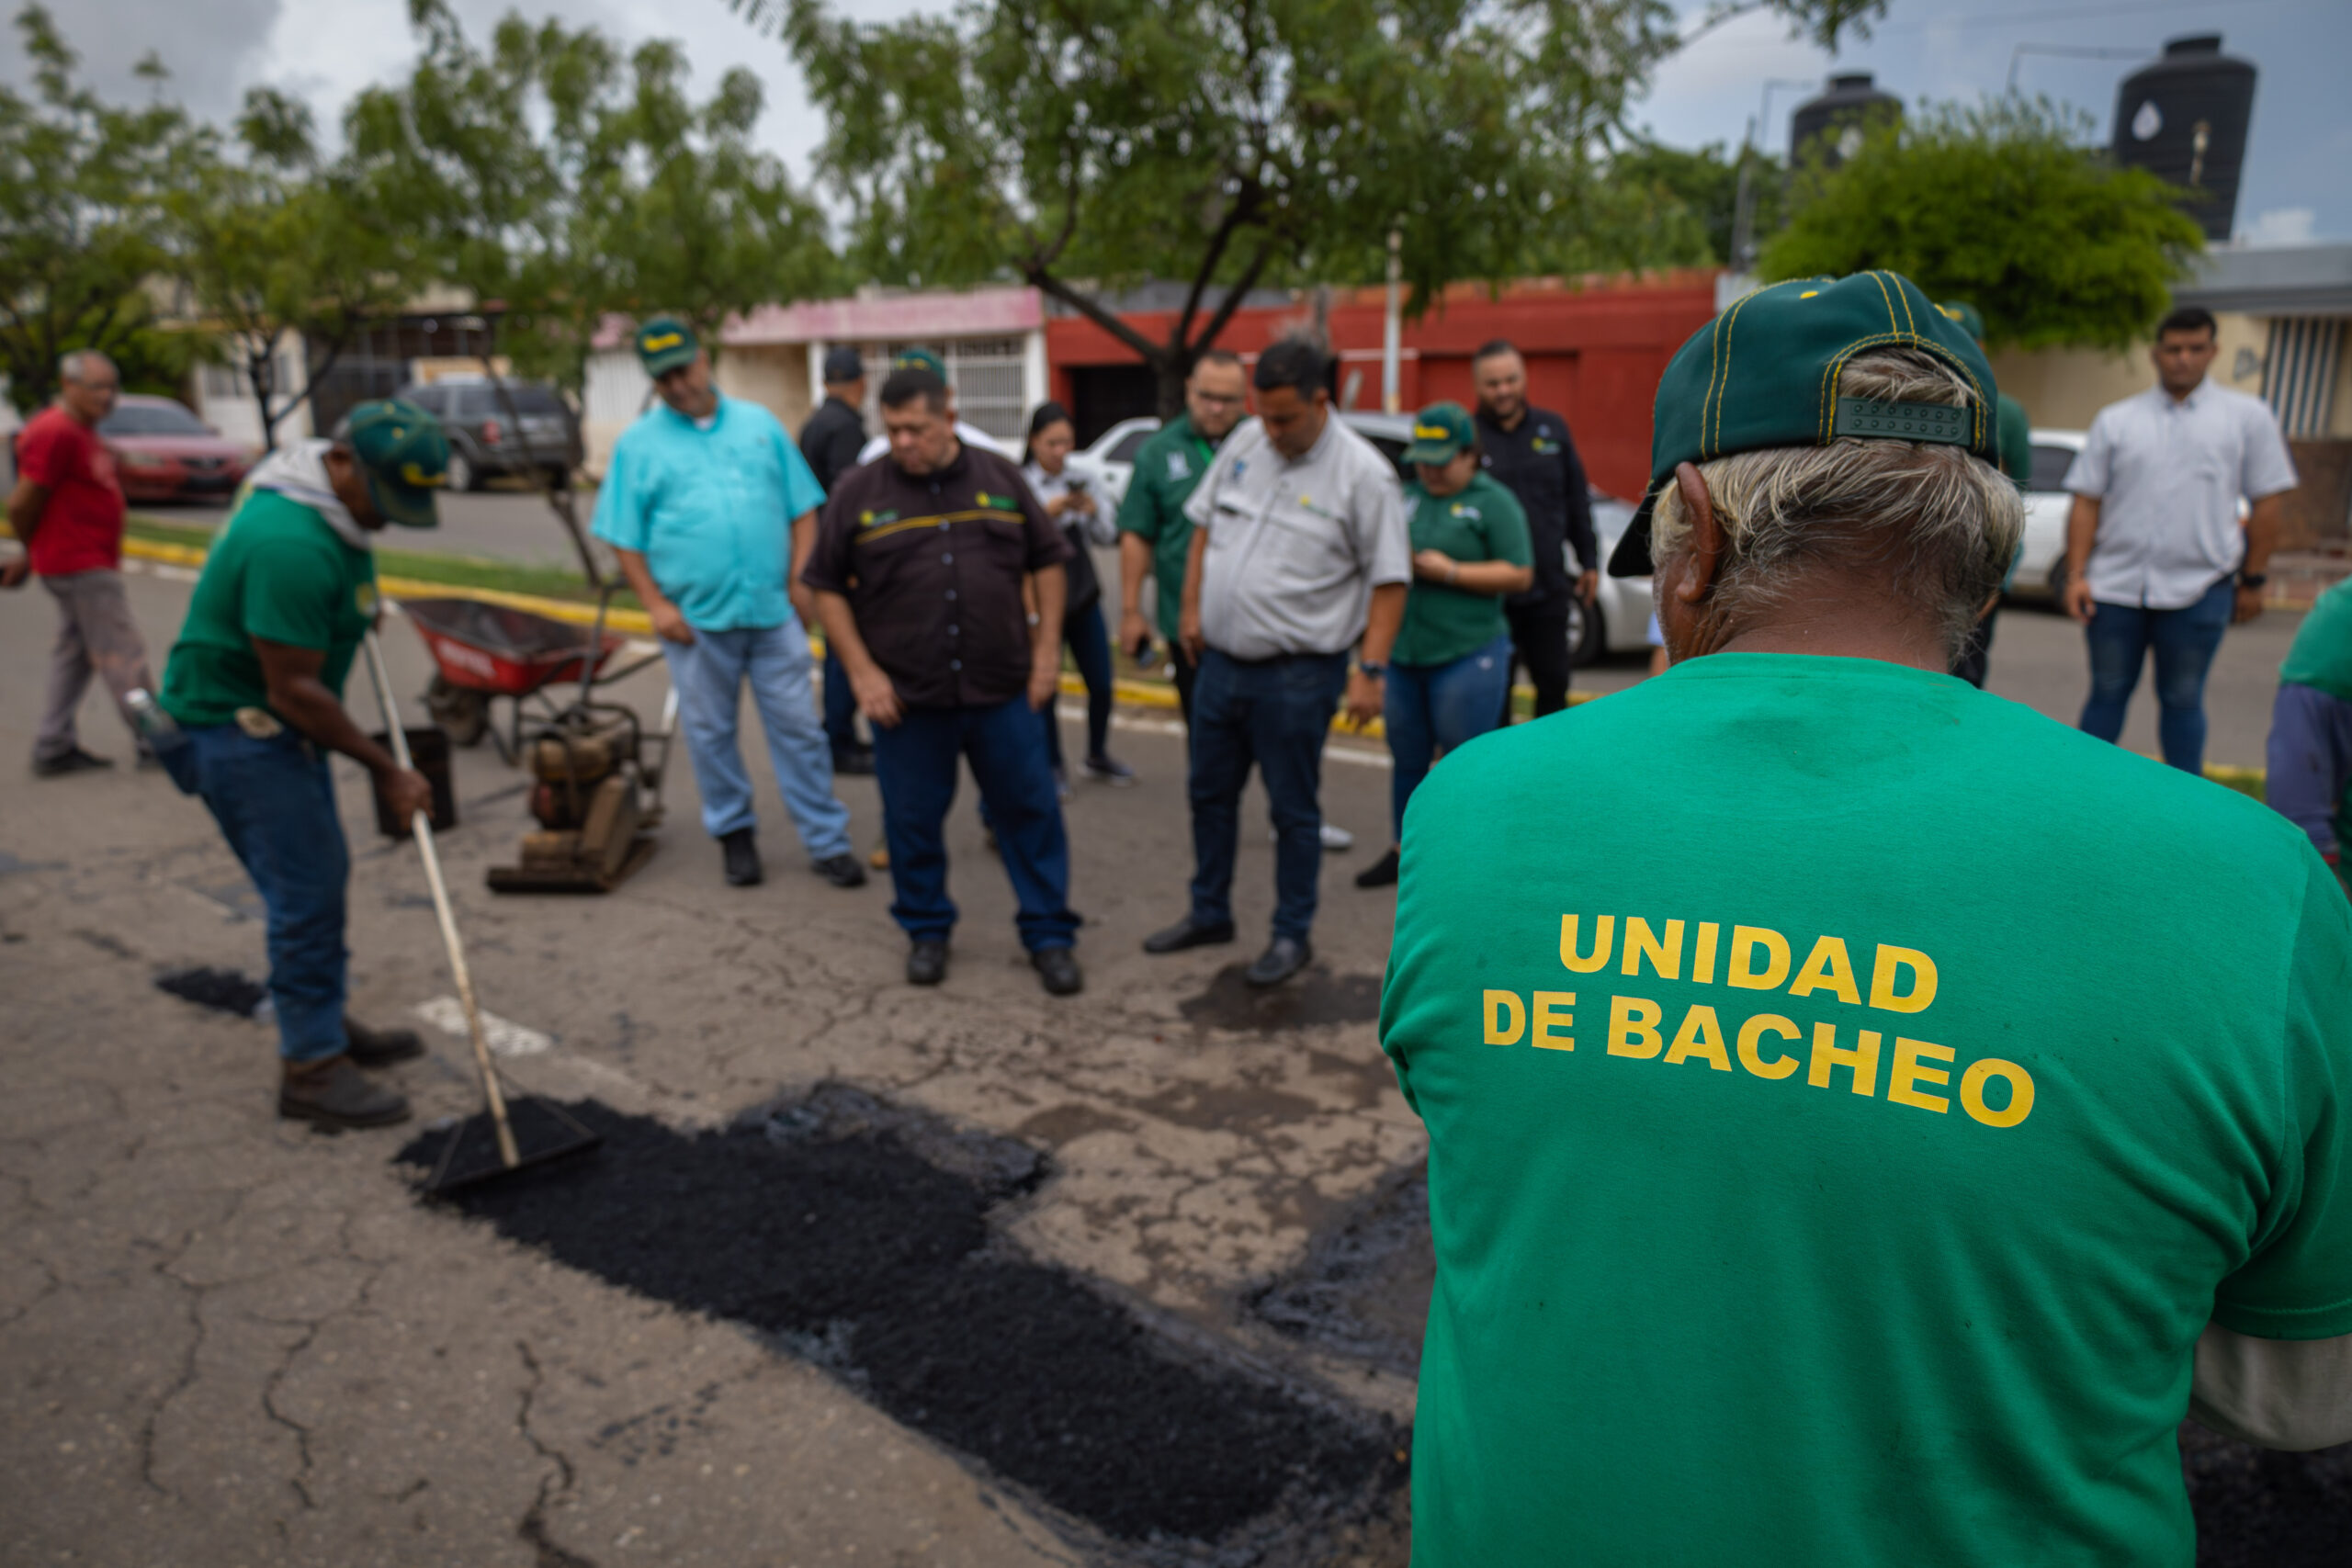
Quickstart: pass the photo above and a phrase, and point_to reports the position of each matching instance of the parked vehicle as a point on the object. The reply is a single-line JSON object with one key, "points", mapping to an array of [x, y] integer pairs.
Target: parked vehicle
{"points": [[162, 452], [2041, 568], [481, 420], [1110, 461]]}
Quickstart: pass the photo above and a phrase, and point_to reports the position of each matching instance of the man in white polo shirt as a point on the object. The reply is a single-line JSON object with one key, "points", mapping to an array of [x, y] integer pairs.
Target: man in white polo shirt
{"points": [[1300, 554], [2155, 555]]}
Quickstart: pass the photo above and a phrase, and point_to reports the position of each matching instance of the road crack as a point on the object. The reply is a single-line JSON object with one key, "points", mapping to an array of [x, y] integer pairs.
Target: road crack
{"points": [[554, 1483]]}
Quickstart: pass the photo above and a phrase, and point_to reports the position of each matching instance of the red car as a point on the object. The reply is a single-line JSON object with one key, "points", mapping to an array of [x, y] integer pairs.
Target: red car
{"points": [[162, 452]]}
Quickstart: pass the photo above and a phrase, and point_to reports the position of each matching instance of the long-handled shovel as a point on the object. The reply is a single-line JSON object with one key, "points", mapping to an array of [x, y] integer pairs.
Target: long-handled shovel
{"points": [[574, 1138]]}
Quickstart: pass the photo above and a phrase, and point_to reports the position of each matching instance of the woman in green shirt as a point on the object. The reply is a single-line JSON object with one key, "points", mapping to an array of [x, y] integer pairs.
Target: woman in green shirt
{"points": [[1451, 667]]}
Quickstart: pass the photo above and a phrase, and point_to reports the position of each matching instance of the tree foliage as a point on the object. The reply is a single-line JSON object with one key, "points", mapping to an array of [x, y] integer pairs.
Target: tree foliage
{"points": [[2000, 204], [82, 239], [1084, 145]]}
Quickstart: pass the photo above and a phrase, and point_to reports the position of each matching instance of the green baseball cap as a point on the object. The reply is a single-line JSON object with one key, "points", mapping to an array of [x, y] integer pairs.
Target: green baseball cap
{"points": [[1440, 433], [919, 360], [405, 458], [1964, 313], [664, 343], [1765, 373]]}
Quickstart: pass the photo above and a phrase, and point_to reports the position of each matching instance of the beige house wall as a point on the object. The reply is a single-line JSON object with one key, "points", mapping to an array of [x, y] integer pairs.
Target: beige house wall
{"points": [[2062, 387], [775, 375]]}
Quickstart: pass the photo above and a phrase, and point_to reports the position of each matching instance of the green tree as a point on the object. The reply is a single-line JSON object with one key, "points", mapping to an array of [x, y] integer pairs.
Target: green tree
{"points": [[82, 190], [273, 244], [1085, 145], [2000, 204]]}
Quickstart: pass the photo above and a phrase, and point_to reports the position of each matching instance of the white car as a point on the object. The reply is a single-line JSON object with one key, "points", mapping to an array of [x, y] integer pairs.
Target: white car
{"points": [[1107, 465], [2042, 566]]}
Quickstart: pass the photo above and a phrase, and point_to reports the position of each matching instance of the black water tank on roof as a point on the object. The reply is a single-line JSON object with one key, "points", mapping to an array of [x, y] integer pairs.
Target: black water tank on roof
{"points": [[2183, 117], [1837, 118]]}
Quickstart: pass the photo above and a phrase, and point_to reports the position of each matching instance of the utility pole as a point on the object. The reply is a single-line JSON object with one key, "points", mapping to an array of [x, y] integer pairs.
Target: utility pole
{"points": [[1392, 337]]}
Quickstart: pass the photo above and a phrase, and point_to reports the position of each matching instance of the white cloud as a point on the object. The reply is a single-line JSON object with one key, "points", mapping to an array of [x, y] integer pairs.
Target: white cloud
{"points": [[2281, 226]]}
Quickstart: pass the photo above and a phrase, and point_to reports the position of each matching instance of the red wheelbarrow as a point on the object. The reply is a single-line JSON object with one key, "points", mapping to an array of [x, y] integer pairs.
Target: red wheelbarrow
{"points": [[481, 653]]}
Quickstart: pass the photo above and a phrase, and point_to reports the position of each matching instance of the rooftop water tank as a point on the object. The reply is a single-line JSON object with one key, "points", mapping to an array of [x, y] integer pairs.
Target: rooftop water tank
{"points": [[1839, 116], [2183, 117]]}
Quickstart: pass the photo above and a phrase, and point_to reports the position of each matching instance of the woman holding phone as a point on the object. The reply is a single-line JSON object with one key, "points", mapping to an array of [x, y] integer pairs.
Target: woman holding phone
{"points": [[1065, 497]]}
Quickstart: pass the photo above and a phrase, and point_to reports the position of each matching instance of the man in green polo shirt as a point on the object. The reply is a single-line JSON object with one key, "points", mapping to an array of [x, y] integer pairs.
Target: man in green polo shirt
{"points": [[1864, 1132], [255, 686], [1155, 536]]}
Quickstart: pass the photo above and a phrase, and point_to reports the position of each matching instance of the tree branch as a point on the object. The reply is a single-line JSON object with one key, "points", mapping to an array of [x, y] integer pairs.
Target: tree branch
{"points": [[1231, 225], [1233, 298], [1039, 278]]}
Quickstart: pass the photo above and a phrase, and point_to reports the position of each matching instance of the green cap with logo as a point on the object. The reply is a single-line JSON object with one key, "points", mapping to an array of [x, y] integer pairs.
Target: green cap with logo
{"points": [[1442, 432], [919, 359], [1765, 373], [405, 456], [1964, 313], [664, 343]]}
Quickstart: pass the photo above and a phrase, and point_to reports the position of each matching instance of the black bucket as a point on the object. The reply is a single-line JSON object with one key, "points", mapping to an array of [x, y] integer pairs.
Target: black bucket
{"points": [[428, 753]]}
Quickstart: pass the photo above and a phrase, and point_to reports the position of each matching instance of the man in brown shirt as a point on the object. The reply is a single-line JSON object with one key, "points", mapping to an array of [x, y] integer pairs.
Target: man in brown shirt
{"points": [[918, 572]]}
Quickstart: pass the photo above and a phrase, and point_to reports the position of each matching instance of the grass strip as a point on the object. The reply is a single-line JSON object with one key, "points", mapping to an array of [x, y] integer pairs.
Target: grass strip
{"points": [[418, 565]]}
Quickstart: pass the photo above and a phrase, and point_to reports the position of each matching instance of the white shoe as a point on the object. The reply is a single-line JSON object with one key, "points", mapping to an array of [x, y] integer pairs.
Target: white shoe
{"points": [[1335, 837]]}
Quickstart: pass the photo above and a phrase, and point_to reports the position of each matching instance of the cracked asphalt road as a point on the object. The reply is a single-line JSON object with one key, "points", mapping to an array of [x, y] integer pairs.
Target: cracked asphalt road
{"points": [[225, 1339]]}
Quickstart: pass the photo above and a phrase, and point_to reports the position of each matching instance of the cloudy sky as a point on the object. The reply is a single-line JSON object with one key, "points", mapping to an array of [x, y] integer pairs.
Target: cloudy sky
{"points": [[2294, 189]]}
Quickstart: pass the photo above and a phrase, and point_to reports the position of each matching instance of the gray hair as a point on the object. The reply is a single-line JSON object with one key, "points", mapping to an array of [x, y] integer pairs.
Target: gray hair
{"points": [[1942, 525], [71, 364]]}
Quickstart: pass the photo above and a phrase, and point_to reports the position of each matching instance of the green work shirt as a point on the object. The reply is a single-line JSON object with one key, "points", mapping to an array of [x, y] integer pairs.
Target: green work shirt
{"points": [[2321, 656], [278, 572], [2013, 433], [1481, 522], [1167, 469], [1841, 1129]]}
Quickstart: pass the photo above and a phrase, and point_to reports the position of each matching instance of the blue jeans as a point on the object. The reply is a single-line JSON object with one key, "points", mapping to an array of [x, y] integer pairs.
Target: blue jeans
{"points": [[914, 761], [2310, 757], [841, 707], [1089, 645], [2185, 641], [709, 675], [1433, 709], [275, 803], [1275, 713]]}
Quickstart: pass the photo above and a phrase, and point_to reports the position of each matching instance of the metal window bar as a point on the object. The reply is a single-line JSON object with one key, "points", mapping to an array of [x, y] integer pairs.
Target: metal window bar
{"points": [[2299, 373]]}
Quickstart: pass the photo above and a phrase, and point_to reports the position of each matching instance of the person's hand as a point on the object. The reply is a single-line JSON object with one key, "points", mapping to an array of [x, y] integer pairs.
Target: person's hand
{"points": [[1134, 636], [1364, 694], [1059, 506], [13, 574], [878, 699], [1188, 632], [1588, 588], [408, 792], [2249, 604], [2079, 604], [1079, 500], [670, 623], [1045, 677], [1435, 565]]}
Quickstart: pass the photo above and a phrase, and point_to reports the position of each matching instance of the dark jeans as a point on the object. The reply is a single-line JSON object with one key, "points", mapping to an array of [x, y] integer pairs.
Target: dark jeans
{"points": [[1976, 658], [2309, 758], [915, 763], [1539, 639], [1090, 646], [2184, 640], [1188, 675], [275, 803], [1433, 709], [1275, 713], [841, 707]]}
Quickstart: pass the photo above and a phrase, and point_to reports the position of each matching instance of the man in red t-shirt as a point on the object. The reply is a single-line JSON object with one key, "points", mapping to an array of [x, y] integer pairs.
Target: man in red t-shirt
{"points": [[67, 509]]}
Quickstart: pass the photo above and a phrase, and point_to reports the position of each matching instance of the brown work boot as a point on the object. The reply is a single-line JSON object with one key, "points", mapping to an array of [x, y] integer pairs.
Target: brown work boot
{"points": [[334, 1093], [374, 1048]]}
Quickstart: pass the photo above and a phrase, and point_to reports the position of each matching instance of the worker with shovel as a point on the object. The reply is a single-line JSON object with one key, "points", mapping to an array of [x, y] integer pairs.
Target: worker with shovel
{"points": [[254, 686]]}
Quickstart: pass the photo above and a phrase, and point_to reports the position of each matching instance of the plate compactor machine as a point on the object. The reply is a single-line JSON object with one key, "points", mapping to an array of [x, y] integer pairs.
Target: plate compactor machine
{"points": [[596, 790]]}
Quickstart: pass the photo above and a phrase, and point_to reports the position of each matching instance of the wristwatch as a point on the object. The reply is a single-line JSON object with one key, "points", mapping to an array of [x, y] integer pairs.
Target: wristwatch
{"points": [[1377, 672], [2253, 578]]}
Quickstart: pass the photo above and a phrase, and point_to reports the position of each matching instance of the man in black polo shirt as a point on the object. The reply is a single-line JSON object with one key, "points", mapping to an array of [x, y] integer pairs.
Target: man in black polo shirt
{"points": [[829, 441], [918, 572], [1527, 450]]}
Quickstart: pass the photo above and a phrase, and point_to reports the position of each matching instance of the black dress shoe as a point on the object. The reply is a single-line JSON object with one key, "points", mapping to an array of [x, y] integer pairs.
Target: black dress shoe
{"points": [[1381, 873], [378, 1048], [926, 963], [1188, 932], [74, 761], [1057, 969], [742, 855], [1284, 957], [841, 871]]}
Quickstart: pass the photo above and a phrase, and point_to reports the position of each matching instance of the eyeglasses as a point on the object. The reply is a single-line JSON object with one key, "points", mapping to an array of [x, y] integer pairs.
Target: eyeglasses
{"points": [[1216, 400]]}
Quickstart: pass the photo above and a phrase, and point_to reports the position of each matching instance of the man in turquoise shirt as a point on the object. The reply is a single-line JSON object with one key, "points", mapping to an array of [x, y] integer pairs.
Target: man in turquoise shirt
{"points": [[711, 508]]}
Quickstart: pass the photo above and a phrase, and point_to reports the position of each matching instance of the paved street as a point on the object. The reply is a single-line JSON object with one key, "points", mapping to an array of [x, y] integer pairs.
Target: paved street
{"points": [[229, 1341], [508, 522]]}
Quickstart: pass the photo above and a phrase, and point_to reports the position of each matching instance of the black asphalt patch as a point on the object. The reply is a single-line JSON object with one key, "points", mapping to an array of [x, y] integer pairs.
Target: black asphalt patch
{"points": [[225, 990], [857, 1236], [1315, 997]]}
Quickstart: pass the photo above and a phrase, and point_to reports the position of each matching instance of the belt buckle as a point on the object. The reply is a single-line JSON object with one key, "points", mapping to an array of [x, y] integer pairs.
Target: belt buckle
{"points": [[259, 722]]}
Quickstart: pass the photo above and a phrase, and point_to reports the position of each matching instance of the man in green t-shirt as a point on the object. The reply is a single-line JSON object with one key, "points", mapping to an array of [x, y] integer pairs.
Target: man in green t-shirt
{"points": [[1449, 673], [1868, 1126], [255, 686], [1155, 536], [2311, 728]]}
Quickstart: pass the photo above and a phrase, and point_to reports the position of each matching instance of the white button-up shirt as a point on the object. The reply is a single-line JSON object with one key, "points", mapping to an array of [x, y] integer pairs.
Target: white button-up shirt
{"points": [[1296, 545], [2168, 474]]}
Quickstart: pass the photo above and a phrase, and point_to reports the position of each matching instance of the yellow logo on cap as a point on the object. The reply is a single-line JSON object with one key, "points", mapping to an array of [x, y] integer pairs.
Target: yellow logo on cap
{"points": [[667, 340], [1950, 314], [1431, 433], [412, 475]]}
